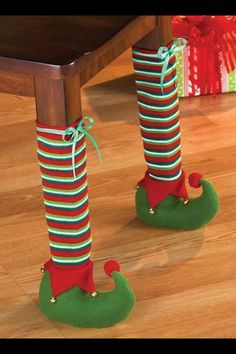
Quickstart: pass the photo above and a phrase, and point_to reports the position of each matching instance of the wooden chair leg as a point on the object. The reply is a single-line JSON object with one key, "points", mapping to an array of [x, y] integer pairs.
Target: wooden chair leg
{"points": [[161, 35], [66, 202], [58, 102]]}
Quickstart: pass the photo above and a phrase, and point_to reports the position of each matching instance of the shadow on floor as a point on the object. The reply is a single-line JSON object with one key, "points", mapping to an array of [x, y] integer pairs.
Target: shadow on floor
{"points": [[120, 99], [159, 247]]}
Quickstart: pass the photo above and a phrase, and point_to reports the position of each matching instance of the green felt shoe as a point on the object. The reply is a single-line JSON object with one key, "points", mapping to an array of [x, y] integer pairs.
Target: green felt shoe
{"points": [[174, 213], [81, 309]]}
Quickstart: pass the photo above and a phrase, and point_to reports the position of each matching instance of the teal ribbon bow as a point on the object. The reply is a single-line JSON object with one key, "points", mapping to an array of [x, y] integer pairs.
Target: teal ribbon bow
{"points": [[165, 53], [81, 128]]}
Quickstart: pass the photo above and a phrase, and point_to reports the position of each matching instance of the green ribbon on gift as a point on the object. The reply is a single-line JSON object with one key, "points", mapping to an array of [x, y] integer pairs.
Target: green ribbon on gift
{"points": [[74, 133], [165, 53]]}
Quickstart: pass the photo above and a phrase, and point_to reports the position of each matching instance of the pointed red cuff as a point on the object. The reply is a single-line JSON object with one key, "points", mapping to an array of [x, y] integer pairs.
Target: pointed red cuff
{"points": [[64, 278], [157, 190]]}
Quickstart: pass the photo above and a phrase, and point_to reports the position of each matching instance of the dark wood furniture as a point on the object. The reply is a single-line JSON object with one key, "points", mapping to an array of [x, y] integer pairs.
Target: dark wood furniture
{"points": [[51, 57]]}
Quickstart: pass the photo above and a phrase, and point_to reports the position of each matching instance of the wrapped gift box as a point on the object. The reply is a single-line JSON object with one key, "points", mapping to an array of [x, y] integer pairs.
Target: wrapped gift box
{"points": [[207, 65], [228, 81]]}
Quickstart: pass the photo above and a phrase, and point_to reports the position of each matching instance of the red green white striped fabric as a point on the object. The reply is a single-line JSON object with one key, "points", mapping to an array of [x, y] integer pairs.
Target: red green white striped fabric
{"points": [[159, 114], [158, 105], [65, 197]]}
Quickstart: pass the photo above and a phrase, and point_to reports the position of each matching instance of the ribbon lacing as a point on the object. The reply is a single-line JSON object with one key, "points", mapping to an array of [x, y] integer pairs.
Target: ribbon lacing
{"points": [[74, 134], [165, 53]]}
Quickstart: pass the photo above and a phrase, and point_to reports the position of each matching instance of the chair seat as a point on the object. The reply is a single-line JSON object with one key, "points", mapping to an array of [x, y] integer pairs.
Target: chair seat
{"points": [[56, 40]]}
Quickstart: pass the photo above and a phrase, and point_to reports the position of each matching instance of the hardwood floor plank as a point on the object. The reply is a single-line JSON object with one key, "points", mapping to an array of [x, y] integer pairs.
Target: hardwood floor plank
{"points": [[184, 280], [20, 317]]}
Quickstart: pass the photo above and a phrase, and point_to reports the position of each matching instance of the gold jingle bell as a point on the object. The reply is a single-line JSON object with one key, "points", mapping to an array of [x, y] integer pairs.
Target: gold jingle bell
{"points": [[94, 294]]}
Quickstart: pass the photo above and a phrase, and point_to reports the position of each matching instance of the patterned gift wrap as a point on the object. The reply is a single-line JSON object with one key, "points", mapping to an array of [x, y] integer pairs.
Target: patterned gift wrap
{"points": [[228, 81], [207, 65]]}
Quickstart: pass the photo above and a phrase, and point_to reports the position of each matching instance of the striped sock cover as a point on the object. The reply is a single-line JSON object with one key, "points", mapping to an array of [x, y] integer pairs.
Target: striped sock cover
{"points": [[159, 125], [67, 210]]}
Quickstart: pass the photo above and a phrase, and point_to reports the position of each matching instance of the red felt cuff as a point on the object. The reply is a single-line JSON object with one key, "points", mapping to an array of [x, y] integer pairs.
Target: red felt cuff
{"points": [[64, 278], [157, 190]]}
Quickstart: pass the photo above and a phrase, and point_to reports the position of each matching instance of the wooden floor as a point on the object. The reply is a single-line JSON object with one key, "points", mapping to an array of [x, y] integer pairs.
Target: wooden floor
{"points": [[185, 282]]}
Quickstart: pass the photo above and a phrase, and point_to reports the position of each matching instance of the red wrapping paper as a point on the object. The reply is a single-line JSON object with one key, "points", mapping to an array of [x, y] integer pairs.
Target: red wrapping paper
{"points": [[212, 44]]}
